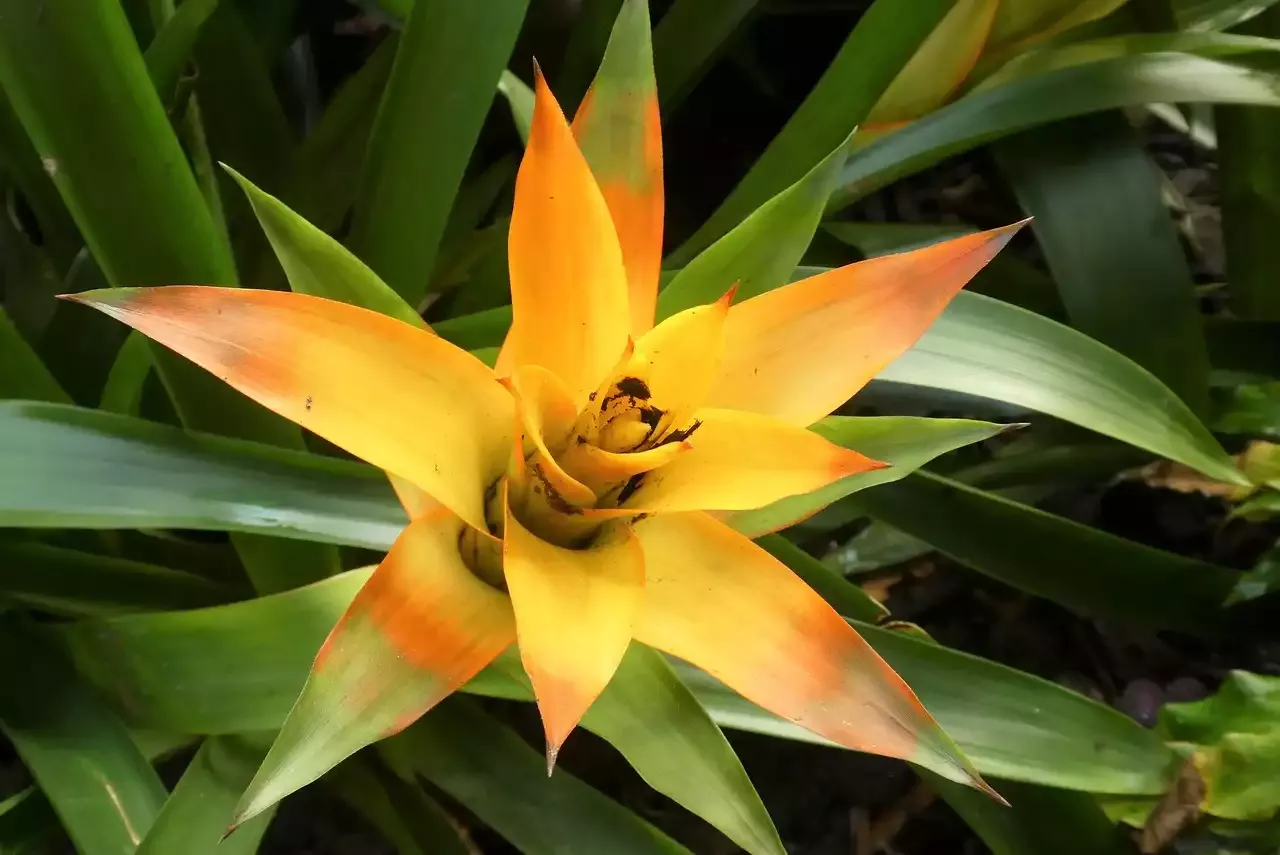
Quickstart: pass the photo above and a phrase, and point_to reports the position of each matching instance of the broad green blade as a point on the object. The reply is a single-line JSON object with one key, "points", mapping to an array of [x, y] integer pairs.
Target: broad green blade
{"points": [[519, 97], [169, 51], [103, 789], [1237, 735], [993, 350], [446, 69], [762, 251], [653, 719], [1112, 248], [1248, 138], [80, 584], [1034, 821], [238, 668], [122, 391], [79, 84], [1036, 99], [67, 467], [1053, 557], [880, 44], [196, 815], [905, 443], [494, 773], [318, 265], [24, 375], [1217, 14], [687, 39], [402, 812]]}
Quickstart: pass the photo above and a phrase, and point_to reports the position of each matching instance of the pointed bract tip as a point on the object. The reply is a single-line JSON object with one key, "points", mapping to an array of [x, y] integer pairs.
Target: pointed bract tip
{"points": [[98, 296], [538, 78], [229, 831], [1013, 426], [727, 299], [990, 791], [553, 751]]}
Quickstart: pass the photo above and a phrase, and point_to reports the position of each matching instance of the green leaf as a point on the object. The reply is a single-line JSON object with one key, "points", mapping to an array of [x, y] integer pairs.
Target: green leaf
{"points": [[1116, 260], [318, 265], [993, 350], [882, 42], [1035, 820], [122, 391], [447, 67], [904, 443], [1237, 735], [169, 51], [762, 251], [844, 596], [1217, 14], [1247, 141], [67, 467], [102, 788], [1050, 556], [1035, 99], [78, 83], [687, 39], [69, 582], [657, 724], [520, 99], [196, 815], [24, 375], [401, 811], [494, 774], [239, 667]]}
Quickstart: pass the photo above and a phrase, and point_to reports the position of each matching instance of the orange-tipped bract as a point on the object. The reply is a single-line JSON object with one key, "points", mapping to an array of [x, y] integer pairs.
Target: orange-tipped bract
{"points": [[564, 501]]}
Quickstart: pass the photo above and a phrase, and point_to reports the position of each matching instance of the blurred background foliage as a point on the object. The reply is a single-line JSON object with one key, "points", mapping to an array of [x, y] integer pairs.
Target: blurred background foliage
{"points": [[1086, 603]]}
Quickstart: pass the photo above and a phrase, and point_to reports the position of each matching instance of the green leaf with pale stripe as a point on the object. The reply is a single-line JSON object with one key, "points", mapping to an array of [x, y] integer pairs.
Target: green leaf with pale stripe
{"points": [[101, 786]]}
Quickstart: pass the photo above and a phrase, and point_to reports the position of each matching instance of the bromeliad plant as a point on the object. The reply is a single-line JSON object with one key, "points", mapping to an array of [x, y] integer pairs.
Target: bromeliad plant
{"points": [[577, 497]]}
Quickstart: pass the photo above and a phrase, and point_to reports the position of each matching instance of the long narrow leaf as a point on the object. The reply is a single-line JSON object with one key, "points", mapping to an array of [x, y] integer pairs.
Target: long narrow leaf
{"points": [[877, 48], [239, 667], [1116, 261], [102, 788], [444, 78]]}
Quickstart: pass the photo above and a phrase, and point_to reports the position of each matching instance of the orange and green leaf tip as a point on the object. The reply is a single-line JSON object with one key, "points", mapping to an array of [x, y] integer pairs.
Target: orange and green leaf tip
{"points": [[565, 502]]}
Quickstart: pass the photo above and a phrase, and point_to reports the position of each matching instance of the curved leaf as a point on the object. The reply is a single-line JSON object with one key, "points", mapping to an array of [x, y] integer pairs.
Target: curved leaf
{"points": [[239, 667], [1036, 99]]}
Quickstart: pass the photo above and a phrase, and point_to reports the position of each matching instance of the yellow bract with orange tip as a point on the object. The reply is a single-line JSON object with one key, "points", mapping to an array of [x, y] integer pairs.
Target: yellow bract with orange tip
{"points": [[565, 501]]}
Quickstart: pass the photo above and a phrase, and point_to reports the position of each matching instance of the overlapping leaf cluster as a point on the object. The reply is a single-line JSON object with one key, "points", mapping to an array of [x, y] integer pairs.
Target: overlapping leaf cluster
{"points": [[134, 638]]}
